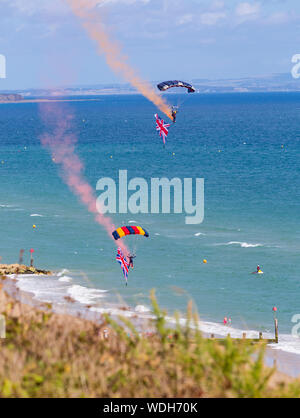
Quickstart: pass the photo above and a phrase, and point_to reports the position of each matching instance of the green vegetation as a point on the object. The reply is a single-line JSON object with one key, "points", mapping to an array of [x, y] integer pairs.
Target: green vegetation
{"points": [[50, 355]]}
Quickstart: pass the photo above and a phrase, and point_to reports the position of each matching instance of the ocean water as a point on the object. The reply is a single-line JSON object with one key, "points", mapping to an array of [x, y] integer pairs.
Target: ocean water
{"points": [[245, 146]]}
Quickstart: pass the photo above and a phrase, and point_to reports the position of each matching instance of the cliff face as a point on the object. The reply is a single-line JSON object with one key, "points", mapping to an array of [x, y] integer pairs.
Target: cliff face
{"points": [[10, 97]]}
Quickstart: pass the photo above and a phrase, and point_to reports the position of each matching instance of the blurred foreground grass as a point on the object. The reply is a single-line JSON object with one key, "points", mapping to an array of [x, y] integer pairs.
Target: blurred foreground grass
{"points": [[51, 355]]}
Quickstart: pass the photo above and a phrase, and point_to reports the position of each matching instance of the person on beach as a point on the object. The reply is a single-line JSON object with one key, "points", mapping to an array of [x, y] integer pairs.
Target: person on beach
{"points": [[225, 320]]}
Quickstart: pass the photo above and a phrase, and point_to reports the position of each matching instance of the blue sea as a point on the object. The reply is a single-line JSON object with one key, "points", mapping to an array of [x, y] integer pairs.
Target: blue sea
{"points": [[245, 147]]}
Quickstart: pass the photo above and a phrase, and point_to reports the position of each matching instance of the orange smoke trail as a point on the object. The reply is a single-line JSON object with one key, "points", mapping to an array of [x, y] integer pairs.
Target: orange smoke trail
{"points": [[85, 10], [61, 143]]}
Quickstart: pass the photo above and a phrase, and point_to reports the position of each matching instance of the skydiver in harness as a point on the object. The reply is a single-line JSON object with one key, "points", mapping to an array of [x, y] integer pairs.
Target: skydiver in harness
{"points": [[131, 257], [174, 112]]}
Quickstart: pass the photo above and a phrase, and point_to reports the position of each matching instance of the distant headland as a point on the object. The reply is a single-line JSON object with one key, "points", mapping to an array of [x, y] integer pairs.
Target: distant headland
{"points": [[10, 98], [260, 84]]}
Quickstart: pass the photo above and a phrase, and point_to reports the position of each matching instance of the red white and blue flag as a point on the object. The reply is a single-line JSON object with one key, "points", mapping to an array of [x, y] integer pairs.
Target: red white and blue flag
{"points": [[123, 263], [162, 128]]}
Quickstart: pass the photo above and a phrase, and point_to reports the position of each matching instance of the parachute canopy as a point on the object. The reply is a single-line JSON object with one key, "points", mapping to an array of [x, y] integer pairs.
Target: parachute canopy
{"points": [[165, 85], [129, 230]]}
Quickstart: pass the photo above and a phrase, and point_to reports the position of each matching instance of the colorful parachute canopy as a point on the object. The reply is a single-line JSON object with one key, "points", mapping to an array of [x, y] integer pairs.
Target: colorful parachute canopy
{"points": [[165, 85], [129, 230]]}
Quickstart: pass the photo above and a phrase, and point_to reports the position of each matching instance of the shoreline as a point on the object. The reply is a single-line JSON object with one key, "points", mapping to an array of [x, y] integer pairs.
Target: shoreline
{"points": [[37, 376], [286, 363]]}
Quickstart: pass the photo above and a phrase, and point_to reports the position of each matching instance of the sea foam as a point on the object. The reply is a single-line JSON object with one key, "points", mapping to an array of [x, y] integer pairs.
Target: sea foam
{"points": [[84, 294]]}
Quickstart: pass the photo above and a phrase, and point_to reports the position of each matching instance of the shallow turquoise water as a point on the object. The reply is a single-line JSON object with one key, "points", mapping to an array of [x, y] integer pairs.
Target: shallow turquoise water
{"points": [[245, 146]]}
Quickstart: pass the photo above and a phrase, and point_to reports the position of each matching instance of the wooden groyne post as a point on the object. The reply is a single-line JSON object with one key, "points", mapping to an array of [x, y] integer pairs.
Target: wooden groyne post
{"points": [[31, 257], [275, 323], [260, 335], [276, 329], [21, 256]]}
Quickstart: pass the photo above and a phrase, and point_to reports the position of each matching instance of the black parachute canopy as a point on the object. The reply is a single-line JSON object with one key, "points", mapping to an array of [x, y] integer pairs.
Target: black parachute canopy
{"points": [[165, 85]]}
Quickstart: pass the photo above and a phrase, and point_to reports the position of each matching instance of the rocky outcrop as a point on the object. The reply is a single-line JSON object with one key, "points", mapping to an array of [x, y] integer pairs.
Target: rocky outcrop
{"points": [[20, 269]]}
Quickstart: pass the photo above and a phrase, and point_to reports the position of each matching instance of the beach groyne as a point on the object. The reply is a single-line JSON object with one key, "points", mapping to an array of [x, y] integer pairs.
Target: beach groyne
{"points": [[6, 269]]}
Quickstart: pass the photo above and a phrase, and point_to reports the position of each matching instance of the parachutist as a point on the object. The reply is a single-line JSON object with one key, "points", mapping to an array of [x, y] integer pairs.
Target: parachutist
{"points": [[127, 261], [174, 115], [131, 257], [174, 111]]}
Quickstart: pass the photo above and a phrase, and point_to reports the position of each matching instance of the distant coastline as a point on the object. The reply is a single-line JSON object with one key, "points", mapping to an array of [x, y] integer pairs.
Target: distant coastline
{"points": [[89, 96], [11, 98], [275, 83], [40, 100]]}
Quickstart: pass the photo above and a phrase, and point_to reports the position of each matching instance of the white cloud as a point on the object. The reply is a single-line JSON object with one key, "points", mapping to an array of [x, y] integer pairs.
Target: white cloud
{"points": [[182, 20], [247, 9], [211, 18], [278, 18], [104, 2], [207, 41], [31, 7], [33, 17], [217, 4]]}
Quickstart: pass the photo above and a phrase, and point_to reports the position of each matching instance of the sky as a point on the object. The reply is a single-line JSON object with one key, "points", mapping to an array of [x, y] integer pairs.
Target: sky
{"points": [[46, 46]]}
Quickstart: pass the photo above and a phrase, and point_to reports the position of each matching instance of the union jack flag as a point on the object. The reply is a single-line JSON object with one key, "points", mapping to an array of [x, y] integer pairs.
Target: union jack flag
{"points": [[123, 263], [162, 128]]}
